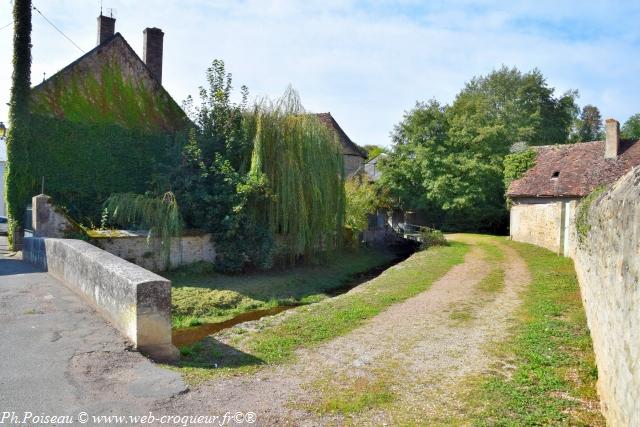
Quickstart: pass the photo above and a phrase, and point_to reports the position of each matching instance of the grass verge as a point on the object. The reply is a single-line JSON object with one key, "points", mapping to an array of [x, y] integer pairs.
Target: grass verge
{"points": [[311, 325], [552, 374], [199, 295]]}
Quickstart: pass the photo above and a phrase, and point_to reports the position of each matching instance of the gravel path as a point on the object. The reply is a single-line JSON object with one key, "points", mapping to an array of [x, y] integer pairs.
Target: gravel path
{"points": [[418, 349]]}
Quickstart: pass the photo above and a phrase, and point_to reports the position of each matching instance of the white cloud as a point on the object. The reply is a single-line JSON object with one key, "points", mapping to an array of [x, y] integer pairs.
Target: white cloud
{"points": [[364, 62]]}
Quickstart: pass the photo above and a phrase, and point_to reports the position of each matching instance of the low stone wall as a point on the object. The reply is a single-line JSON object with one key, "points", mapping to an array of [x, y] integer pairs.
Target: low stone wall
{"points": [[608, 268], [136, 301], [136, 248]]}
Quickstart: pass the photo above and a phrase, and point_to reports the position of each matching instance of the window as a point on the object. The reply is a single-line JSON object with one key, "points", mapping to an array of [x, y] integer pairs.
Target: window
{"points": [[555, 175]]}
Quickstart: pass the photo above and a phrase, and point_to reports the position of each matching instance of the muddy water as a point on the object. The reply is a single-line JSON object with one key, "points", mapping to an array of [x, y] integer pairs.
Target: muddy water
{"points": [[187, 336]]}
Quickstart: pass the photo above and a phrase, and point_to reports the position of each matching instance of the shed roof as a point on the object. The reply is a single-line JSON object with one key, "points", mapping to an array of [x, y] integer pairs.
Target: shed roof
{"points": [[574, 170]]}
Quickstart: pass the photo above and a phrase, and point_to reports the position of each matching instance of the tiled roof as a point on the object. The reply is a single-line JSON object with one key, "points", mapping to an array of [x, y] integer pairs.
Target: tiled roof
{"points": [[574, 170], [348, 146]]}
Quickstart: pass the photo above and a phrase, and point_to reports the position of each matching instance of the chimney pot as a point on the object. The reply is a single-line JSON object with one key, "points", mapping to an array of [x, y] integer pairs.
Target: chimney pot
{"points": [[152, 51], [106, 28], [612, 143]]}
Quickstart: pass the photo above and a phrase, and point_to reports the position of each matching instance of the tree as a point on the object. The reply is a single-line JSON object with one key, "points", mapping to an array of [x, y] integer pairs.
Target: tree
{"points": [[590, 124], [631, 128], [19, 181], [448, 160], [373, 151], [361, 200]]}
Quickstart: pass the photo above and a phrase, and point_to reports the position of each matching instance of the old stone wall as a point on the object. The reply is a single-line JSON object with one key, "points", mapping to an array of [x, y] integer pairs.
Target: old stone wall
{"points": [[136, 248], [544, 222], [608, 268], [48, 220], [136, 301]]}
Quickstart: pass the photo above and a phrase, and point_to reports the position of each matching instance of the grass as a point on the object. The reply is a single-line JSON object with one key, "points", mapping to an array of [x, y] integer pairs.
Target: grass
{"points": [[199, 295], [552, 376], [361, 394], [314, 324]]}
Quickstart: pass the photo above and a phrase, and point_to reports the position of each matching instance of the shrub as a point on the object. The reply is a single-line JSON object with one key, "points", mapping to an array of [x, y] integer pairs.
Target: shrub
{"points": [[431, 237]]}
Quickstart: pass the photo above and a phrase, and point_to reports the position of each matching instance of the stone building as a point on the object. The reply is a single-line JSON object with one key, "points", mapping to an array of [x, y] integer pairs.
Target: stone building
{"points": [[354, 156], [545, 199]]}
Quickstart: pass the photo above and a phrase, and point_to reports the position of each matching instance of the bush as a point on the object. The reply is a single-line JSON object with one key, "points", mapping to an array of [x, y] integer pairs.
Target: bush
{"points": [[431, 237]]}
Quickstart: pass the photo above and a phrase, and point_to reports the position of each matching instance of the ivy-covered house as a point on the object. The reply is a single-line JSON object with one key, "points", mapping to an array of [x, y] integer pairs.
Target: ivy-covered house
{"points": [[546, 197], [104, 123]]}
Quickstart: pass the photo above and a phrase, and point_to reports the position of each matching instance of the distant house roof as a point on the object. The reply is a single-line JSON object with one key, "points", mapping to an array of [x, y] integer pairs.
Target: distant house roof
{"points": [[574, 170], [110, 84], [371, 168], [348, 146]]}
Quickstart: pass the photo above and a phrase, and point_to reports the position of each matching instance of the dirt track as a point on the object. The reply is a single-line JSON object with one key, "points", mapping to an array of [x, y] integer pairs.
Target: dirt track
{"points": [[419, 350]]}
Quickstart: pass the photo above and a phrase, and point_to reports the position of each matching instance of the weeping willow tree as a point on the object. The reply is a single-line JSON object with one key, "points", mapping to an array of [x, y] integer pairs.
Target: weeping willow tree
{"points": [[301, 162], [159, 215]]}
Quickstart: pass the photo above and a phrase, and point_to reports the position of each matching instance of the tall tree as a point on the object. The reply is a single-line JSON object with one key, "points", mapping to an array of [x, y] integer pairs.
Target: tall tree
{"points": [[19, 182], [448, 160], [631, 128], [590, 124]]}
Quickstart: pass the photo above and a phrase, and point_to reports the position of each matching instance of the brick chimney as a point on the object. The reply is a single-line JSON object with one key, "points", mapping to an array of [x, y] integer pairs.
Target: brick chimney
{"points": [[106, 28], [152, 51], [612, 143]]}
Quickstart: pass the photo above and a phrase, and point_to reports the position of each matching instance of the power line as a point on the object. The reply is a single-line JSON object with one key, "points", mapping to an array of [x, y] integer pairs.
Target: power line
{"points": [[5, 26], [58, 29]]}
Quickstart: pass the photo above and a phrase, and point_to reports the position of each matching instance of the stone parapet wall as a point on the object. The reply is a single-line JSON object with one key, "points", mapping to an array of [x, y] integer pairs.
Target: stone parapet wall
{"points": [[136, 301], [608, 268]]}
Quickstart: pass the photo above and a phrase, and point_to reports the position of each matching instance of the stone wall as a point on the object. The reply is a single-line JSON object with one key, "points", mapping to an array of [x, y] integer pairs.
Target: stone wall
{"points": [[544, 222], [136, 301], [48, 220], [608, 268], [136, 248]]}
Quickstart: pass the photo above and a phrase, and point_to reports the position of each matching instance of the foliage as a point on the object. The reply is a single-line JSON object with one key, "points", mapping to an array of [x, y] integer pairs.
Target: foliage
{"points": [[18, 177], [159, 215], [431, 237], [373, 151], [516, 164], [361, 200], [262, 180], [582, 214], [631, 128], [84, 163], [301, 162], [590, 124], [448, 160]]}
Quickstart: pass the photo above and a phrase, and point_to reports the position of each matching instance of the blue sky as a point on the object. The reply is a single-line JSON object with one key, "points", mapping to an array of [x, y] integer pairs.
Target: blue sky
{"points": [[364, 61]]}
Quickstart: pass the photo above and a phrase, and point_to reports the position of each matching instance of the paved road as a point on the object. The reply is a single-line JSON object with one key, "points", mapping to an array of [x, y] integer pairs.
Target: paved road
{"points": [[58, 357]]}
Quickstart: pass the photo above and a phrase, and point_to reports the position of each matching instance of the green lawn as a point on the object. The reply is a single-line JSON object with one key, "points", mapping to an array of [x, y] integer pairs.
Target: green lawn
{"points": [[199, 295], [317, 323]]}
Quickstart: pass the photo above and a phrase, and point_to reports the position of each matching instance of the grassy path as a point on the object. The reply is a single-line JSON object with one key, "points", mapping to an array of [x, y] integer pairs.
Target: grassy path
{"points": [[499, 339]]}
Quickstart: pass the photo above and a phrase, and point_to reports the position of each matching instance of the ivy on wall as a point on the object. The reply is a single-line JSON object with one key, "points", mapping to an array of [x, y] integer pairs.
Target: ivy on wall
{"points": [[84, 163]]}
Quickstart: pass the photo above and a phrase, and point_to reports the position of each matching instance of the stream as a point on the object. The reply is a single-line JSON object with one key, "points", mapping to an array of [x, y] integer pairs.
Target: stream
{"points": [[188, 336]]}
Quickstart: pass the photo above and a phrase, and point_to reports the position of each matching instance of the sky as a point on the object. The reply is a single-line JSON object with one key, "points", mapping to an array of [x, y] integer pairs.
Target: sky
{"points": [[366, 62]]}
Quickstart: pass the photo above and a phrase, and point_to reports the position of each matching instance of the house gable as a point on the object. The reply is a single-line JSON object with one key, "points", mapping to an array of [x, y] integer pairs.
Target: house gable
{"points": [[110, 84]]}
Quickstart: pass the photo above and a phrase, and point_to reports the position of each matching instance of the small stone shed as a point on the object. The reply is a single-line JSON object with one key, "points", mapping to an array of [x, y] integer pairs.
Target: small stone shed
{"points": [[545, 199]]}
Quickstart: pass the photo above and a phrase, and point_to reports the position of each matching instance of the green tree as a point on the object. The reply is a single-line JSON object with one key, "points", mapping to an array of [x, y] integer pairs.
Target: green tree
{"points": [[19, 182], [361, 200], [590, 124], [448, 160], [631, 128], [373, 151]]}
